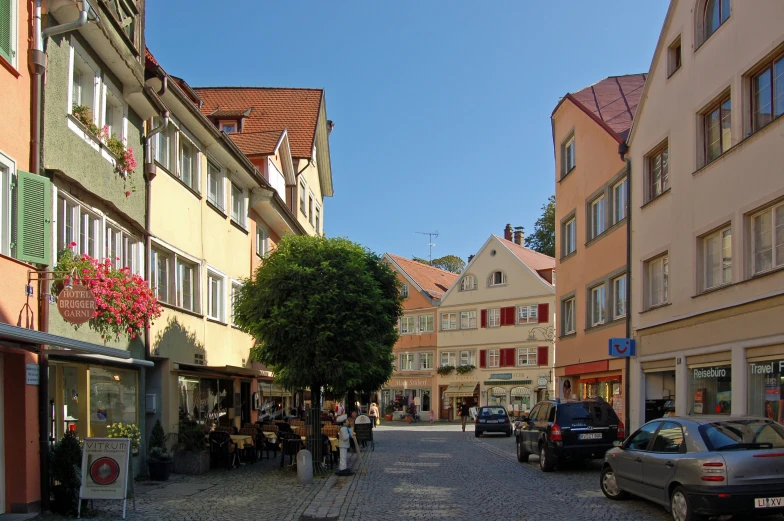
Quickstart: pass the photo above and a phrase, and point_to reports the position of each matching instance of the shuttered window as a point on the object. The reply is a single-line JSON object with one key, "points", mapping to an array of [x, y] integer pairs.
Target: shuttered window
{"points": [[34, 218], [7, 50]]}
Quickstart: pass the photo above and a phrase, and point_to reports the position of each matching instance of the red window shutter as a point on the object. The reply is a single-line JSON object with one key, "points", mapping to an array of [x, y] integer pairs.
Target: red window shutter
{"points": [[541, 355], [484, 319], [483, 355], [507, 316], [544, 313], [508, 357]]}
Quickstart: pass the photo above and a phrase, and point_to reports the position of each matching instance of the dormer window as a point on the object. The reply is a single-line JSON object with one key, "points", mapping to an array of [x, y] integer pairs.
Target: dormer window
{"points": [[497, 278], [229, 127], [468, 283]]}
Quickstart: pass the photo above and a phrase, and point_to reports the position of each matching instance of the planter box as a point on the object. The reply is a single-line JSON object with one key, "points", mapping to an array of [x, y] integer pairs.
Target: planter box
{"points": [[193, 463], [388, 417], [160, 470]]}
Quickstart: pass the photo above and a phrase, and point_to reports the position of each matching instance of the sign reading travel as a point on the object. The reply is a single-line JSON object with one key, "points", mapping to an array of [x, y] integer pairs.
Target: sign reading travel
{"points": [[76, 305], [621, 347], [105, 469]]}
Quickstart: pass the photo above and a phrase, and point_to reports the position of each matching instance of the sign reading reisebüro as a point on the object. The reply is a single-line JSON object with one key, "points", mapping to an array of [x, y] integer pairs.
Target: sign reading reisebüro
{"points": [[76, 305]]}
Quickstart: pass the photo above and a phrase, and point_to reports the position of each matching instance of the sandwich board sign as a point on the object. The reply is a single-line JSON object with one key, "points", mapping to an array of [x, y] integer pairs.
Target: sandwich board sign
{"points": [[106, 469]]}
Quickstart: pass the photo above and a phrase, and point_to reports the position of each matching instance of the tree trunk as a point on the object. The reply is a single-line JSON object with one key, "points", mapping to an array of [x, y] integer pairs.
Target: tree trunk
{"points": [[351, 399], [313, 420]]}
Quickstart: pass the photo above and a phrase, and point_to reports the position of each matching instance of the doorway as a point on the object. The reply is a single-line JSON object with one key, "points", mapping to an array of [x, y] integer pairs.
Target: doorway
{"points": [[659, 394], [446, 412]]}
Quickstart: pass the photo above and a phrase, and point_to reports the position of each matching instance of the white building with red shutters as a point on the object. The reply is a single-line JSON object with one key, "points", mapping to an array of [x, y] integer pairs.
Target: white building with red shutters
{"points": [[496, 327]]}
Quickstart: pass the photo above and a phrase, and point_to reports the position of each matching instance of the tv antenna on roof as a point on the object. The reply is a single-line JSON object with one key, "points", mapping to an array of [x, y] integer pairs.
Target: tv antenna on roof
{"points": [[432, 235]]}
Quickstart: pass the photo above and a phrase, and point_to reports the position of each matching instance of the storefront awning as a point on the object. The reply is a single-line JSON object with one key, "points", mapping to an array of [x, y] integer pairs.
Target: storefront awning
{"points": [[103, 358], [521, 391], [221, 370], [466, 389], [30, 336]]}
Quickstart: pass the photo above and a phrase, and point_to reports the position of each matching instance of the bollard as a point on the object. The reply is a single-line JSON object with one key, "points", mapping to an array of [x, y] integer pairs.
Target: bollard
{"points": [[304, 467]]}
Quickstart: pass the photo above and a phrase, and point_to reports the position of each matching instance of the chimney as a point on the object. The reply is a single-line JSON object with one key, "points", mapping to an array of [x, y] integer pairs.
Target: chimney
{"points": [[508, 232], [518, 235], [470, 258]]}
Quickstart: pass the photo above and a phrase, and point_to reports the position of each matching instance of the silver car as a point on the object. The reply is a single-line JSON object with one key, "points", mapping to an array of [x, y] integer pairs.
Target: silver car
{"points": [[696, 467]]}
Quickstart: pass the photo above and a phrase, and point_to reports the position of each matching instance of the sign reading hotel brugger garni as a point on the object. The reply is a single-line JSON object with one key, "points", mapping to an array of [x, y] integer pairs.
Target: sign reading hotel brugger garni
{"points": [[105, 469], [76, 304]]}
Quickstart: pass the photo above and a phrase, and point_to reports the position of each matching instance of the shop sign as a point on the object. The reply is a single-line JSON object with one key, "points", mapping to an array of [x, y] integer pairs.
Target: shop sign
{"points": [[410, 383], [711, 372], [621, 347], [501, 376], [771, 368], [76, 305], [105, 469], [33, 374]]}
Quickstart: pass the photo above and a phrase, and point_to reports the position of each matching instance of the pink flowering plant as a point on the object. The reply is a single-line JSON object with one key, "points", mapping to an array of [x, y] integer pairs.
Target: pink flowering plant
{"points": [[125, 303]]}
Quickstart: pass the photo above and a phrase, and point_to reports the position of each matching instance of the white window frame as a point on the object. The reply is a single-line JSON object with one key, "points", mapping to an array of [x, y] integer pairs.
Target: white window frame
{"points": [[155, 279], [450, 324], [775, 262], [195, 284], [216, 304], [619, 296], [657, 295], [429, 323], [408, 325], [426, 361], [175, 258], [569, 155], [494, 317], [528, 314], [303, 198], [236, 286], [570, 235], [619, 201], [86, 65], [239, 216], [311, 208], [7, 180], [13, 36], [570, 309], [448, 358], [724, 266], [465, 358], [120, 108], [217, 174], [165, 143], [467, 318], [598, 216], [317, 225], [527, 354], [598, 302], [223, 125], [468, 283], [262, 239], [493, 357], [407, 361], [184, 140], [404, 292], [502, 281]]}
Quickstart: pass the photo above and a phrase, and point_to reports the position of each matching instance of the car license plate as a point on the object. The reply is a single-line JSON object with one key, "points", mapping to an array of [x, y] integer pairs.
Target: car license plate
{"points": [[592, 436], [769, 502], [492, 421]]}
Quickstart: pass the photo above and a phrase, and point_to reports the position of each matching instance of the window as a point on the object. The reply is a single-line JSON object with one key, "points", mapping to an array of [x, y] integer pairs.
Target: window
{"points": [[189, 166], [407, 361], [674, 56], [404, 290], [468, 320], [718, 129], [657, 271], [494, 317], [302, 200], [642, 438], [468, 283], [215, 296], [669, 439], [497, 278], [716, 13], [767, 94], [160, 275], [569, 314], [229, 127], [528, 314], [658, 173], [567, 151], [426, 324], [767, 237], [598, 303], [85, 88], [597, 217], [215, 186], [262, 239], [235, 293], [493, 357], [426, 360], [114, 115], [465, 358], [238, 213], [187, 286], [311, 213], [619, 201], [198, 359], [8, 26], [448, 321], [318, 219], [619, 296], [407, 325], [163, 144], [6, 180], [570, 237], [448, 359], [717, 251], [526, 355]]}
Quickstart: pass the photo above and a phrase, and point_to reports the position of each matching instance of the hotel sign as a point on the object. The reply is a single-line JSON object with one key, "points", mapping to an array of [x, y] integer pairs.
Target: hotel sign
{"points": [[76, 305], [422, 382]]}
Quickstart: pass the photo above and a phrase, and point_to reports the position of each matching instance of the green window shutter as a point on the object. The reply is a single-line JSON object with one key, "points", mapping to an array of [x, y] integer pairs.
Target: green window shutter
{"points": [[6, 50], [34, 218]]}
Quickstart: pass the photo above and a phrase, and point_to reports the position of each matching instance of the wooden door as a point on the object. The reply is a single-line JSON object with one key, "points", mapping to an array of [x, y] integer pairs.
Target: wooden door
{"points": [[445, 412]]}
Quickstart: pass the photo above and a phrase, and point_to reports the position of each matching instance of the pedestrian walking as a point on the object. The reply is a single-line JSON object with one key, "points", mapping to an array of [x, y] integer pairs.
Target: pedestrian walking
{"points": [[464, 414], [374, 414], [432, 416]]}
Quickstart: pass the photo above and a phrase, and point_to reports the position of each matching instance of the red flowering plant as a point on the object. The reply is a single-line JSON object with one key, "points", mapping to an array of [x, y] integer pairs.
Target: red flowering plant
{"points": [[125, 304], [126, 163]]}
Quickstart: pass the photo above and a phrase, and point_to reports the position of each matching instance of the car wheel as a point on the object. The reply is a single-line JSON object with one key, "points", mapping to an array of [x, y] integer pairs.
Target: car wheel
{"points": [[681, 507], [477, 433], [522, 454], [546, 461], [610, 486]]}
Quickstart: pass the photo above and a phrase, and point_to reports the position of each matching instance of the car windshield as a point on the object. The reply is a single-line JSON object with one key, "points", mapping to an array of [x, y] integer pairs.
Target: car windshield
{"points": [[743, 434], [492, 411], [597, 412]]}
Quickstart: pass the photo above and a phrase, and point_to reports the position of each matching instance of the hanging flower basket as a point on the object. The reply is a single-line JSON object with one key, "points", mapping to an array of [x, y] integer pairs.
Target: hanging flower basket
{"points": [[125, 304]]}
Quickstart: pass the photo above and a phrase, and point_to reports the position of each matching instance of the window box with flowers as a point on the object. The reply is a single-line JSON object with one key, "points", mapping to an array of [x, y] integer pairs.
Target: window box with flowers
{"points": [[465, 369], [125, 304], [444, 370]]}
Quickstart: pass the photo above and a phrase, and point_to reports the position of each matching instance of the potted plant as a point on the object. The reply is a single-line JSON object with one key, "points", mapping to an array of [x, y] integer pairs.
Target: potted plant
{"points": [[445, 370], [191, 455], [159, 460], [388, 412], [130, 431], [66, 473], [465, 369]]}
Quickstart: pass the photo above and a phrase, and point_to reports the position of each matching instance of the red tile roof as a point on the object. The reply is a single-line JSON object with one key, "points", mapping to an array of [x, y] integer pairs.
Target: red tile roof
{"points": [[533, 259], [230, 113], [272, 108], [434, 281], [257, 143], [149, 57], [613, 100]]}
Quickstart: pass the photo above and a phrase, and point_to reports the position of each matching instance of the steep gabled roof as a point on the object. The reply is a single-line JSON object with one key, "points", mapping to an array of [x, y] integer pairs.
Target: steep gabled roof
{"points": [[533, 259], [433, 281], [258, 143]]}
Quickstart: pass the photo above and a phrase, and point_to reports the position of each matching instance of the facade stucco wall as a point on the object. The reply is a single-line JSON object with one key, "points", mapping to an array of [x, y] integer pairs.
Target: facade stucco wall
{"points": [[15, 100]]}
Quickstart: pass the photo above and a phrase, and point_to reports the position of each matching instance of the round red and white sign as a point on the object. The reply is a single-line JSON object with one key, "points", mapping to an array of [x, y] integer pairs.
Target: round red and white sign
{"points": [[104, 471]]}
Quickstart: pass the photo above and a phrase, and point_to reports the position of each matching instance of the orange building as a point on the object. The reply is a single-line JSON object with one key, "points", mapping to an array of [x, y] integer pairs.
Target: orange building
{"points": [[590, 215], [423, 287]]}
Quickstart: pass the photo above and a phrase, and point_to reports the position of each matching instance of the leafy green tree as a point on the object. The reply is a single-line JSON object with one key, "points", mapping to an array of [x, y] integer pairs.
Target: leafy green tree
{"points": [[324, 313], [543, 238], [451, 263]]}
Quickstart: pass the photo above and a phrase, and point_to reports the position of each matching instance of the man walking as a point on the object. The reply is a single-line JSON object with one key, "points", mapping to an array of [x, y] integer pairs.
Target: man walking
{"points": [[464, 413]]}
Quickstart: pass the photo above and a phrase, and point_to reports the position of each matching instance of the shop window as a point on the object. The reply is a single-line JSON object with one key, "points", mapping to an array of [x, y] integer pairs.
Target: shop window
{"points": [[496, 396], [520, 398], [206, 400], [766, 389], [710, 389]]}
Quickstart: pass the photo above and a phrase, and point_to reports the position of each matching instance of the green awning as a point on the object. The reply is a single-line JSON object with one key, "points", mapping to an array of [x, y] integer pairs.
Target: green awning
{"points": [[495, 383]]}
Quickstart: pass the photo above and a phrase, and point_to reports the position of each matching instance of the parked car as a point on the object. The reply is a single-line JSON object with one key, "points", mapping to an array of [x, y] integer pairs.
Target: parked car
{"points": [[560, 431], [698, 467], [492, 419]]}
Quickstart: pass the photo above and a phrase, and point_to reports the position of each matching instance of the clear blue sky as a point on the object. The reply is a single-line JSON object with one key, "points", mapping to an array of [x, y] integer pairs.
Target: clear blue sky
{"points": [[442, 108]]}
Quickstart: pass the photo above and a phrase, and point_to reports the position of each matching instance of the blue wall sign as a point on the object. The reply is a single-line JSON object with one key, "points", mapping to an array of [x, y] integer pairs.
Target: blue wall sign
{"points": [[501, 376], [621, 347]]}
